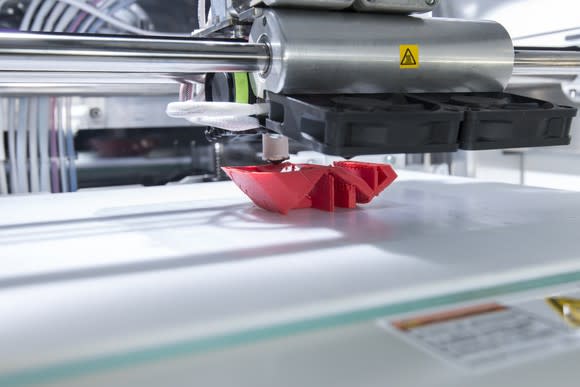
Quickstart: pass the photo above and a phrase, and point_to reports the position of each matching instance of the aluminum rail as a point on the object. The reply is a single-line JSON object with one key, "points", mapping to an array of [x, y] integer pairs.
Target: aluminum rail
{"points": [[38, 52], [33, 89], [546, 62]]}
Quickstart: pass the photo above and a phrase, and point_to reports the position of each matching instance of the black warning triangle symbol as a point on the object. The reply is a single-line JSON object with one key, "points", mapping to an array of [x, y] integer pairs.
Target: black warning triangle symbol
{"points": [[408, 59], [567, 308]]}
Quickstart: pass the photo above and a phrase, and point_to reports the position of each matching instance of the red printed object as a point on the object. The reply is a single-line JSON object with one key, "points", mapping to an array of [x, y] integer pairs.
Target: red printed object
{"points": [[287, 186]]}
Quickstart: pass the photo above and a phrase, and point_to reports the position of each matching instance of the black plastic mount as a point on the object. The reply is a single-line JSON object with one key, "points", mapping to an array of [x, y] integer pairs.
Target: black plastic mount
{"points": [[350, 125]]}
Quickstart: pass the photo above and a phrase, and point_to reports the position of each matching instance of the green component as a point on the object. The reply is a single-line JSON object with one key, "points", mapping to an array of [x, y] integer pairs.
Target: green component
{"points": [[242, 88]]}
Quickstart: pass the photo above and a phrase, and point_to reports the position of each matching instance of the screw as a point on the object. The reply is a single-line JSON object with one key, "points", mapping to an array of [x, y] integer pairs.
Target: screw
{"points": [[431, 2], [95, 113], [238, 31], [218, 153]]}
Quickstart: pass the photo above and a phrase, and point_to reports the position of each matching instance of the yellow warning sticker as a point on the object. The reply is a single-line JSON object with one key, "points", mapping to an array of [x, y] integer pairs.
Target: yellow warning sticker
{"points": [[409, 56], [567, 308]]}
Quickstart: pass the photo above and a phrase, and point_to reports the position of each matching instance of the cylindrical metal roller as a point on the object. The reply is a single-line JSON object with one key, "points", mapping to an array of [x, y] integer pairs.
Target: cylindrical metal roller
{"points": [[322, 52], [299, 52]]}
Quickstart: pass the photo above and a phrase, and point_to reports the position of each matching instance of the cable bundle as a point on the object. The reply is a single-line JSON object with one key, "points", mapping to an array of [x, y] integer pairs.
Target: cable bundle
{"points": [[91, 16], [40, 146], [61, 146], [41, 154]]}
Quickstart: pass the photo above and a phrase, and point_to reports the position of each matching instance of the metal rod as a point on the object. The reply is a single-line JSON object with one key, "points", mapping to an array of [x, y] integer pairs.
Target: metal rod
{"points": [[140, 57], [86, 89], [546, 62], [38, 52]]}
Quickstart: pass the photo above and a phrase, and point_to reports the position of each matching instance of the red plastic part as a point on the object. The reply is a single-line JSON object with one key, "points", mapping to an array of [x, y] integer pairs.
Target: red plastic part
{"points": [[280, 188]]}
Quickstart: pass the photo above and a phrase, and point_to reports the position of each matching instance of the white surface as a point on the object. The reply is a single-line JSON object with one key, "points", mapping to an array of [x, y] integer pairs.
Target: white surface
{"points": [[103, 272], [547, 169]]}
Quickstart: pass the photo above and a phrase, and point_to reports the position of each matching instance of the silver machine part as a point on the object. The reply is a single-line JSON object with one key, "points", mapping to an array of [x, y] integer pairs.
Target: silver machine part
{"points": [[37, 52], [231, 17], [321, 52], [546, 62], [275, 147], [295, 52], [323, 4], [32, 89], [399, 6]]}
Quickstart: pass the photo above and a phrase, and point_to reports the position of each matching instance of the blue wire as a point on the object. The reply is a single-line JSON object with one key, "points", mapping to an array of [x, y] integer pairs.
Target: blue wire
{"points": [[71, 154]]}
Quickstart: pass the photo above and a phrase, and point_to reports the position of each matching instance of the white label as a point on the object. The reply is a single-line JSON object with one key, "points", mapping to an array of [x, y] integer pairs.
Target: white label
{"points": [[486, 336]]}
